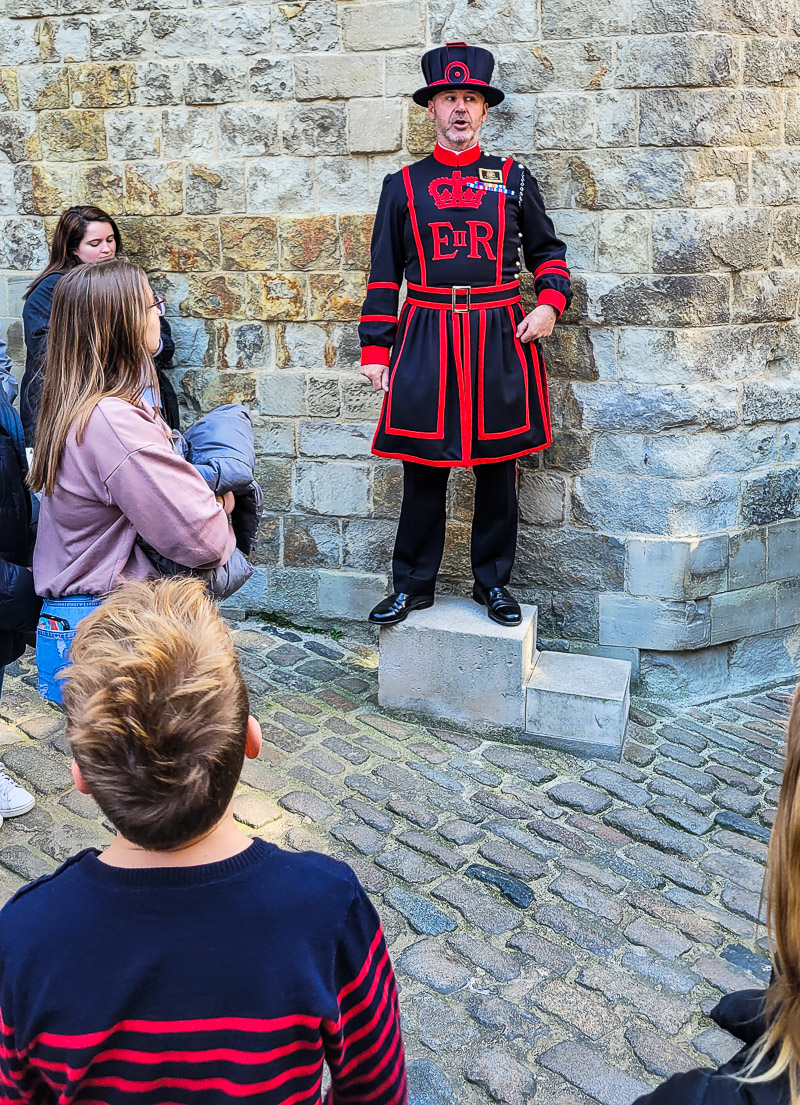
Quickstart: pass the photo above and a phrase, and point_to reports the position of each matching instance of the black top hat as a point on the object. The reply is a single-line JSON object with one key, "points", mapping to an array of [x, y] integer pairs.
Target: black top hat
{"points": [[457, 65]]}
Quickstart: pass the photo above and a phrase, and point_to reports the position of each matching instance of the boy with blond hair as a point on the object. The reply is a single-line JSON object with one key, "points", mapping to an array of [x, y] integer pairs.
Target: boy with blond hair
{"points": [[186, 964]]}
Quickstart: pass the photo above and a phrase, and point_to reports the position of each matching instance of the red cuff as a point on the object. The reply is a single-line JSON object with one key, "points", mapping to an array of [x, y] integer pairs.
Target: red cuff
{"points": [[377, 354], [551, 298]]}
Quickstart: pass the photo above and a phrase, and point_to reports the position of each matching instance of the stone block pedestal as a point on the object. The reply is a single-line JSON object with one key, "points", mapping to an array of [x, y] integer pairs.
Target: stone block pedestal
{"points": [[451, 662], [579, 703]]}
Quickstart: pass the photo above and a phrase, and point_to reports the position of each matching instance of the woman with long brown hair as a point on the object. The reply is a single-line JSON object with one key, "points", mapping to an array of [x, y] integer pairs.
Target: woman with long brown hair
{"points": [[105, 461], [767, 1069], [83, 235]]}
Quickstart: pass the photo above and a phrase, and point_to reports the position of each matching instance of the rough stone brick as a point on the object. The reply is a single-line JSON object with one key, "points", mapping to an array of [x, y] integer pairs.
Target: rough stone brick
{"points": [[587, 1070], [408, 865], [303, 27], [514, 859], [598, 939], [247, 131], [242, 30], [717, 1044], [671, 868], [307, 805], [677, 814], [735, 869], [412, 811], [500, 965], [624, 789], [585, 896], [477, 907], [660, 971], [366, 840], [23, 862], [658, 1055], [664, 1012], [374, 126], [643, 826], [450, 858], [509, 886], [589, 1016], [505, 1079], [438, 1027], [43, 774], [423, 916], [661, 940], [215, 82]]}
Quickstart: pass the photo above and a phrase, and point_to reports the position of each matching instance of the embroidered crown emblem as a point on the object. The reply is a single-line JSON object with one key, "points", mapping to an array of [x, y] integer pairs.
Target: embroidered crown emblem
{"points": [[456, 191]]}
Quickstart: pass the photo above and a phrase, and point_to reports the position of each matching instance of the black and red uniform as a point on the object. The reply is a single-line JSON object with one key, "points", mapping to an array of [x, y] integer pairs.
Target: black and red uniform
{"points": [[463, 390]]}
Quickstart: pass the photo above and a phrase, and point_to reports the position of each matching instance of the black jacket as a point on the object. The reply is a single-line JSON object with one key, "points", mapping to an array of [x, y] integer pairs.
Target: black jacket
{"points": [[36, 321], [742, 1015], [19, 603]]}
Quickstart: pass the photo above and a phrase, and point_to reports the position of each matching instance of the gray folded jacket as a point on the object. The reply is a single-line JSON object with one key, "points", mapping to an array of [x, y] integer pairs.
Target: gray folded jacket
{"points": [[221, 447]]}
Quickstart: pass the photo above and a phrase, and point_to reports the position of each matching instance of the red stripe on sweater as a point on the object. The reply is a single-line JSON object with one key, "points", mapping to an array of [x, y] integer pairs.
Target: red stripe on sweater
{"points": [[210, 1024]]}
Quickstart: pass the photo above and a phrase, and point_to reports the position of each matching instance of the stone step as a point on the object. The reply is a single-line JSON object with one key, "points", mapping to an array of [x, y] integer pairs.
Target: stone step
{"points": [[452, 662], [578, 703]]}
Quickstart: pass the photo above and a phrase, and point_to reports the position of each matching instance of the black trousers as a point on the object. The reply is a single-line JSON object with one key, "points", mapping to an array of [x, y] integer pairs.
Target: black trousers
{"points": [[420, 532]]}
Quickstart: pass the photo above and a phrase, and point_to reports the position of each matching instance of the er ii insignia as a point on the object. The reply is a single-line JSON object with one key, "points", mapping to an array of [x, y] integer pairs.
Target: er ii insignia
{"points": [[491, 176]]}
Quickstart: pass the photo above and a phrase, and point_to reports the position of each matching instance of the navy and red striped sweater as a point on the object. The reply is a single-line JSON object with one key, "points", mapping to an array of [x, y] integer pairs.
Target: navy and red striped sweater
{"points": [[232, 981]]}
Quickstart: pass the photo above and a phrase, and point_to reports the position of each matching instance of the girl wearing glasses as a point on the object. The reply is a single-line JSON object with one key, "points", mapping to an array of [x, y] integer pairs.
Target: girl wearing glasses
{"points": [[105, 462], [83, 236]]}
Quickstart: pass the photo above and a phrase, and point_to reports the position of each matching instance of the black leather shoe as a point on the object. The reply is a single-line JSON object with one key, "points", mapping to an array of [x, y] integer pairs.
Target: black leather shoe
{"points": [[503, 608], [397, 606]]}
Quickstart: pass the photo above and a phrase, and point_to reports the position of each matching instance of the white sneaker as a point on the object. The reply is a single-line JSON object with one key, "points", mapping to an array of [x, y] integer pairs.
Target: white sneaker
{"points": [[14, 801]]}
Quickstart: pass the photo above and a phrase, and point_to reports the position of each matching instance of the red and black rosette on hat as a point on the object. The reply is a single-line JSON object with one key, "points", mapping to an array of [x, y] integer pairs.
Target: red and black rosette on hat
{"points": [[458, 65]]}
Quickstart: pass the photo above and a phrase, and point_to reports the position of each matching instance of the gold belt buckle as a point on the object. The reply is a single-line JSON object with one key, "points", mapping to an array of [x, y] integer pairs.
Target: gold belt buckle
{"points": [[461, 288]]}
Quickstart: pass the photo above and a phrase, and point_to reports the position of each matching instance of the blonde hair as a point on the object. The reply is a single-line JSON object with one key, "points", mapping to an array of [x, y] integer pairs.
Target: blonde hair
{"points": [[780, 1044], [96, 347], [157, 711]]}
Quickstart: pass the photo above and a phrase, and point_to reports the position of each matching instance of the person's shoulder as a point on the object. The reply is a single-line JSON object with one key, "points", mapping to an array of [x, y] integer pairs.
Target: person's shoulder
{"points": [[43, 290], [393, 184], [318, 878], [120, 415], [34, 903]]}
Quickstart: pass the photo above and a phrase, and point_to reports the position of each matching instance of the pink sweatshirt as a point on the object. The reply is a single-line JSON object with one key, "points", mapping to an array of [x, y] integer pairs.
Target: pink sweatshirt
{"points": [[124, 479]]}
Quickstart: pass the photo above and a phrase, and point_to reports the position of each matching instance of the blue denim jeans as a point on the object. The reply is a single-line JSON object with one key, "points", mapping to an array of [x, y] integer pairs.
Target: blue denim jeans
{"points": [[56, 630]]}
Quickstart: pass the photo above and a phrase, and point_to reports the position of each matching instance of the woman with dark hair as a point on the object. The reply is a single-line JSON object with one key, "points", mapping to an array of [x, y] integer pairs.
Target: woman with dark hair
{"points": [[105, 464], [83, 236]]}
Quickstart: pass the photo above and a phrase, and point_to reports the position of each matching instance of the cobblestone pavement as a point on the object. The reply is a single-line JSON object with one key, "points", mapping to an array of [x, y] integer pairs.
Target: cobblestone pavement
{"points": [[560, 929]]}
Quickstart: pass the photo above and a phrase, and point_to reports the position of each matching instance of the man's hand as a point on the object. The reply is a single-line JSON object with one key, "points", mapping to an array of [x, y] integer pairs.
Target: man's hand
{"points": [[378, 375], [538, 324]]}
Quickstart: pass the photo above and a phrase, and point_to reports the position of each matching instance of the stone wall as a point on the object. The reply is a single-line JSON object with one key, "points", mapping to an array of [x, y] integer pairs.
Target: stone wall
{"points": [[243, 147]]}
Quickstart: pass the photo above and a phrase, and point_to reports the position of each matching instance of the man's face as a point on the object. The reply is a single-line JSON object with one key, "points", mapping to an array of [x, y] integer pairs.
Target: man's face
{"points": [[458, 116]]}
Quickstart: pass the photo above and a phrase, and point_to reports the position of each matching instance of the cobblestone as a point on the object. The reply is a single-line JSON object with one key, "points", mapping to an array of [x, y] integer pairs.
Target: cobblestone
{"points": [[516, 860], [493, 1012], [634, 886], [660, 939], [407, 865], [504, 1077], [426, 962], [448, 857], [500, 965], [659, 970], [657, 1054], [422, 915], [510, 887], [591, 1073], [624, 789]]}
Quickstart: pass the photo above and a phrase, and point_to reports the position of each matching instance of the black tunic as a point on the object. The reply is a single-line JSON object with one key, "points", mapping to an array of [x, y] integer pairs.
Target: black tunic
{"points": [[463, 389]]}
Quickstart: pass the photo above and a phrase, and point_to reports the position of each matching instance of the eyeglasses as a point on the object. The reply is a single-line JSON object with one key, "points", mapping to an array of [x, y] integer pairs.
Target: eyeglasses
{"points": [[160, 303]]}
